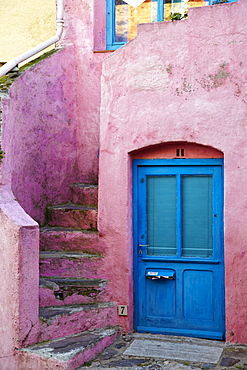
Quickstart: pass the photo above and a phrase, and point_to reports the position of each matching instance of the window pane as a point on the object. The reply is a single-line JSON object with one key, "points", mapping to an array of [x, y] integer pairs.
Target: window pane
{"points": [[197, 216], [177, 6], [161, 215], [127, 17]]}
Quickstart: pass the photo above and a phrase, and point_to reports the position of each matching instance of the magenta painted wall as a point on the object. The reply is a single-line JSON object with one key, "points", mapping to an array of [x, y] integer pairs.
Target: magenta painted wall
{"points": [[51, 121], [80, 21], [182, 81], [39, 135], [99, 25], [19, 254]]}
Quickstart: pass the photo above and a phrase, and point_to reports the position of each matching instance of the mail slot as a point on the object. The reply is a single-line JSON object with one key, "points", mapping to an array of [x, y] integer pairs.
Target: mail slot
{"points": [[160, 274]]}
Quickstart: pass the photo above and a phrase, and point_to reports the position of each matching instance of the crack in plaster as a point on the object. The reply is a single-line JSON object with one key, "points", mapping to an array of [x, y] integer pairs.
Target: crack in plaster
{"points": [[28, 333]]}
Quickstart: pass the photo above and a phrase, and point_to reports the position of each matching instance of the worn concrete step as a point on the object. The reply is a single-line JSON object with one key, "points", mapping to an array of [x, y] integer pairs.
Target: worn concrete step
{"points": [[72, 215], [67, 264], [59, 321], [69, 239], [56, 291], [85, 194], [67, 353]]}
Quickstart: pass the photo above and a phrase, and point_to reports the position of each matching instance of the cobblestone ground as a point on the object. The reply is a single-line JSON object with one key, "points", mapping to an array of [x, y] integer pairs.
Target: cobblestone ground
{"points": [[234, 357]]}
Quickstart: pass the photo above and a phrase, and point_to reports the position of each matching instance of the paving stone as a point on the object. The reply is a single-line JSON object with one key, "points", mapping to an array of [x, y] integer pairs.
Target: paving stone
{"points": [[228, 361], [207, 366], [126, 368], [166, 362], [236, 352], [126, 362], [108, 353], [120, 345], [154, 367], [127, 338], [177, 351], [177, 366]]}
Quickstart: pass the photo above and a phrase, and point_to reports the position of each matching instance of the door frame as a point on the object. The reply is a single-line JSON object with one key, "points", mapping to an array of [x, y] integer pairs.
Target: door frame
{"points": [[136, 163]]}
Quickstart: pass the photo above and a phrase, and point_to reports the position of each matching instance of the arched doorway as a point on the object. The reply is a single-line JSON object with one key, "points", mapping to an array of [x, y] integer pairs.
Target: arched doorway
{"points": [[178, 240]]}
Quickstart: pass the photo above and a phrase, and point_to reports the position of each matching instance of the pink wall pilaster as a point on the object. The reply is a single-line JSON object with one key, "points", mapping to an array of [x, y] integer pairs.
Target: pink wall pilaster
{"points": [[19, 251]]}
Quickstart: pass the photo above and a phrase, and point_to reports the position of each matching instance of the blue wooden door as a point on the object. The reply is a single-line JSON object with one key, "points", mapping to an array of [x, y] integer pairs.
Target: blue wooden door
{"points": [[178, 247]]}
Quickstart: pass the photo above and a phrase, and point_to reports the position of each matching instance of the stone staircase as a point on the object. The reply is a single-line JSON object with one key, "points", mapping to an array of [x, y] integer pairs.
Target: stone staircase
{"points": [[76, 315]]}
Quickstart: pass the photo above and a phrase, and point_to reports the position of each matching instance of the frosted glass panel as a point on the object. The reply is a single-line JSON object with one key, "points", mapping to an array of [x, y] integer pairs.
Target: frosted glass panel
{"points": [[161, 215], [197, 216]]}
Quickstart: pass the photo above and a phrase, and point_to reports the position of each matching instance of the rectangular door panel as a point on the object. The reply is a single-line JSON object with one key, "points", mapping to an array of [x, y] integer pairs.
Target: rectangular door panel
{"points": [[198, 298], [160, 294]]}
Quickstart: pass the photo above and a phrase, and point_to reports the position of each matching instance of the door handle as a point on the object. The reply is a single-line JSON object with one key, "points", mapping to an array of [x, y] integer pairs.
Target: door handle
{"points": [[142, 245]]}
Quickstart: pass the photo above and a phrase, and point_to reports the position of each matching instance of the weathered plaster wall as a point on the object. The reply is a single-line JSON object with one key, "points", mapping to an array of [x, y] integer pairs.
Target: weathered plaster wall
{"points": [[178, 81], [51, 120], [39, 134], [99, 25], [80, 21], [25, 24], [19, 277]]}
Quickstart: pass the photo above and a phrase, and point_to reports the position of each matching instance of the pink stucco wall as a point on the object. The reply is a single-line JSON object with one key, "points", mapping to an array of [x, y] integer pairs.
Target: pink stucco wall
{"points": [[51, 120], [39, 135], [79, 31], [19, 286], [182, 81], [99, 25]]}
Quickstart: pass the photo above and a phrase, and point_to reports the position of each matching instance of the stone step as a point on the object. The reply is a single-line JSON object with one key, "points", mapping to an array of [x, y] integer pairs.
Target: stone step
{"points": [[57, 291], [67, 353], [72, 216], [85, 194], [59, 321], [67, 264], [69, 239]]}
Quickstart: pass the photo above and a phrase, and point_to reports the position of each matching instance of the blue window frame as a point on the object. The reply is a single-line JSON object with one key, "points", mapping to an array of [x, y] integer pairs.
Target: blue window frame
{"points": [[123, 16]]}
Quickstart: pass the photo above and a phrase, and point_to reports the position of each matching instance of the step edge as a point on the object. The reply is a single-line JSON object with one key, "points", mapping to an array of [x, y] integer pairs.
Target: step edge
{"points": [[72, 206], [75, 279], [83, 185], [66, 255], [52, 282], [69, 310], [107, 331], [81, 306], [58, 229]]}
